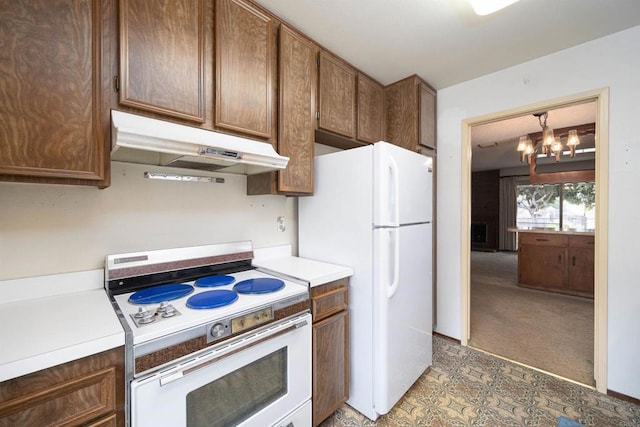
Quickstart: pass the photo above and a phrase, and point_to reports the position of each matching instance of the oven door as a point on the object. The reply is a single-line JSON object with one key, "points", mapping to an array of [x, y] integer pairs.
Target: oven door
{"points": [[254, 381]]}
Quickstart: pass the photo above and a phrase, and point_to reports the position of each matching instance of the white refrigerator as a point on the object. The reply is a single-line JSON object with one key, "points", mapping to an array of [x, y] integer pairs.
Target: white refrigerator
{"points": [[372, 210]]}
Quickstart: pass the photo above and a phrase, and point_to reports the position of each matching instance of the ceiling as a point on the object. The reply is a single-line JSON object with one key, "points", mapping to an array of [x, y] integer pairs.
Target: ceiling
{"points": [[493, 145], [444, 41]]}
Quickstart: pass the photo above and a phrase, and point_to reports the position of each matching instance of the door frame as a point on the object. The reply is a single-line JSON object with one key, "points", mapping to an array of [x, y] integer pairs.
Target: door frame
{"points": [[601, 97]]}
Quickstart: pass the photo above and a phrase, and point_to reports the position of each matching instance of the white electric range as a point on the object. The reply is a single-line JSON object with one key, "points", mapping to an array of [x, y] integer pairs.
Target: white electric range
{"points": [[206, 310]]}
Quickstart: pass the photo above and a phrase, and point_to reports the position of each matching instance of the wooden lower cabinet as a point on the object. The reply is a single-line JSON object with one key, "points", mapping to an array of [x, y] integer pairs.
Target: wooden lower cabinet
{"points": [[330, 348], [556, 262], [84, 392], [542, 266]]}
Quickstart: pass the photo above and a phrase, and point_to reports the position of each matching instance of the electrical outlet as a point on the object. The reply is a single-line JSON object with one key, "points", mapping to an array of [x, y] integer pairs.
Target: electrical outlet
{"points": [[282, 225]]}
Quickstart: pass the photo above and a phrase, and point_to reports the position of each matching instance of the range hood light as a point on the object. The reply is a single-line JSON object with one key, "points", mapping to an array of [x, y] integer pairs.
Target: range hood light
{"points": [[180, 177]]}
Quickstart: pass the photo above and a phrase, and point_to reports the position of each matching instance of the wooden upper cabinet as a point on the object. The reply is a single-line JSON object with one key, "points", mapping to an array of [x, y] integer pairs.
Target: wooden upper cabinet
{"points": [[297, 84], [244, 43], [53, 122], [162, 57], [410, 112], [370, 110], [297, 96], [427, 116], [337, 96]]}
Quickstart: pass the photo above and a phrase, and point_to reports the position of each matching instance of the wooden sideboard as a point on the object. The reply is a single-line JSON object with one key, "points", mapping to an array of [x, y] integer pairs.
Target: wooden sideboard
{"points": [[557, 262]]}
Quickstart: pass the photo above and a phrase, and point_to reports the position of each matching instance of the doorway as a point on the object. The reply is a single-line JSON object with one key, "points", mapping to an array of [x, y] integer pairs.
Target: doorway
{"points": [[600, 98]]}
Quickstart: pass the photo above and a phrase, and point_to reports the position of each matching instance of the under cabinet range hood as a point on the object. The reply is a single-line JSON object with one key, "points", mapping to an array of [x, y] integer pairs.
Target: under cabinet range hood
{"points": [[139, 139]]}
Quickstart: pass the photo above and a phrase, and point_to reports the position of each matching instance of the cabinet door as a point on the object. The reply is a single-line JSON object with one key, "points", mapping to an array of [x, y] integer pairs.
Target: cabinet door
{"points": [[162, 57], [330, 365], [427, 116], [244, 48], [581, 271], [370, 110], [401, 113], [337, 96], [52, 119], [542, 267], [298, 79]]}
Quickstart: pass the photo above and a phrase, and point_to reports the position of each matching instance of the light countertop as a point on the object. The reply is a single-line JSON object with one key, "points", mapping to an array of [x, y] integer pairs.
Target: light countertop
{"points": [[311, 271], [549, 231], [48, 329]]}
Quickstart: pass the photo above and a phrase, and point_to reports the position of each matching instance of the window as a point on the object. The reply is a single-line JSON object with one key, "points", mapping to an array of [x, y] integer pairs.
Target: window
{"points": [[568, 206]]}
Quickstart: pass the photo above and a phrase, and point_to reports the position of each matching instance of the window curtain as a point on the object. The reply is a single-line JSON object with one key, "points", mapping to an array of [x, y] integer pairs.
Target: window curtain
{"points": [[508, 213]]}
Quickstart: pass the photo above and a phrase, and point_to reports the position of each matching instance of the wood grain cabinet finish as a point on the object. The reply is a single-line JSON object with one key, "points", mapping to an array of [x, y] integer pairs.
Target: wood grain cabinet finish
{"points": [[581, 265], [162, 57], [370, 110], [297, 101], [337, 96], [330, 341], [53, 122], [558, 263], [244, 45], [297, 86], [410, 113], [85, 392]]}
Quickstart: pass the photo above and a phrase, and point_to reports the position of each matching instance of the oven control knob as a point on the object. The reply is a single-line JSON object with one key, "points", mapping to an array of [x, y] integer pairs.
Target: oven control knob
{"points": [[217, 330], [169, 311], [142, 312]]}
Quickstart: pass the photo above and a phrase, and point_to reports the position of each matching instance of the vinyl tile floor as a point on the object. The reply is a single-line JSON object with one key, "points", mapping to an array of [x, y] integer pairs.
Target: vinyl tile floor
{"points": [[467, 387]]}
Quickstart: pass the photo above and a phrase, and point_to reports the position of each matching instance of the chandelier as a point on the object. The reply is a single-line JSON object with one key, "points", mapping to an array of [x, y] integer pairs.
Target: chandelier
{"points": [[549, 143]]}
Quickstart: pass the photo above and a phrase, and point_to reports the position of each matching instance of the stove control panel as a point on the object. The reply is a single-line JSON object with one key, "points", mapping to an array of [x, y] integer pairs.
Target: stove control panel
{"points": [[231, 326], [251, 320], [147, 315]]}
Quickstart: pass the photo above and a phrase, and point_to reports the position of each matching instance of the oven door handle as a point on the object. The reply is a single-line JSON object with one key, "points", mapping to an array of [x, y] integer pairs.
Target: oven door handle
{"points": [[229, 350]]}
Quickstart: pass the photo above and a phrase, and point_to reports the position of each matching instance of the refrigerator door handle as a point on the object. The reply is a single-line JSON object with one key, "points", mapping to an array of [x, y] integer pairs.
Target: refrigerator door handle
{"points": [[394, 259], [394, 189]]}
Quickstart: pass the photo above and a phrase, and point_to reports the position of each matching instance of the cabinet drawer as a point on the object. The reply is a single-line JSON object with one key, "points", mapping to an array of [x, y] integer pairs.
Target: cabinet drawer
{"points": [[326, 304], [71, 402], [539, 239], [582, 241]]}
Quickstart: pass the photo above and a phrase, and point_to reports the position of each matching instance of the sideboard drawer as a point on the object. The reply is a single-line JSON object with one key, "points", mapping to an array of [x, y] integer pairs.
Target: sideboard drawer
{"points": [[541, 239]]}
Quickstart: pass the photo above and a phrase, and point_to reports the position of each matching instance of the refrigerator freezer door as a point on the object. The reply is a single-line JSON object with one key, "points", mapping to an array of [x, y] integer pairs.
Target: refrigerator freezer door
{"points": [[403, 182], [402, 312]]}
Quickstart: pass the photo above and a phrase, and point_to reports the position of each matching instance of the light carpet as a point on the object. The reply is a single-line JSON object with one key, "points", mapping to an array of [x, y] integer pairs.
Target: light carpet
{"points": [[546, 330]]}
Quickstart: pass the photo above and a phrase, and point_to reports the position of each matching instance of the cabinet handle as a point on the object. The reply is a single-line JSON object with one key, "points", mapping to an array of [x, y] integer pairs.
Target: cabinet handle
{"points": [[573, 261], [559, 259], [541, 240]]}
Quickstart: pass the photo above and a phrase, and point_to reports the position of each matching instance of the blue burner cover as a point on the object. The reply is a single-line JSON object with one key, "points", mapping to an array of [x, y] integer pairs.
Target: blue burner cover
{"points": [[160, 293], [213, 281], [211, 299], [261, 285]]}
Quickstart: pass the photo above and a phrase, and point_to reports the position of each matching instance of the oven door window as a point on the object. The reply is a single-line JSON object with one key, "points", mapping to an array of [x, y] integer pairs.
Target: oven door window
{"points": [[240, 394]]}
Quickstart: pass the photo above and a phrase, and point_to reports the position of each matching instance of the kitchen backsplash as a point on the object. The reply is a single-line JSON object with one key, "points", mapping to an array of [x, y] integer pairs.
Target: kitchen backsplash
{"points": [[50, 229]]}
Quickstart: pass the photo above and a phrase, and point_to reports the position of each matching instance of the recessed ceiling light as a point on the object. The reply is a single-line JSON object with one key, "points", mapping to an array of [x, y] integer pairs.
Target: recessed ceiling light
{"points": [[485, 7]]}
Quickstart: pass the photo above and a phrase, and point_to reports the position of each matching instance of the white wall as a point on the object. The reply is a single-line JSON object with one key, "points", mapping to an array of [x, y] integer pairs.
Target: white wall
{"points": [[49, 229], [613, 62]]}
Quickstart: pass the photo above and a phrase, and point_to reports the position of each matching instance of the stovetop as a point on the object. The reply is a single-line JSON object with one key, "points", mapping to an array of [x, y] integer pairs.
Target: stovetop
{"points": [[188, 317]]}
